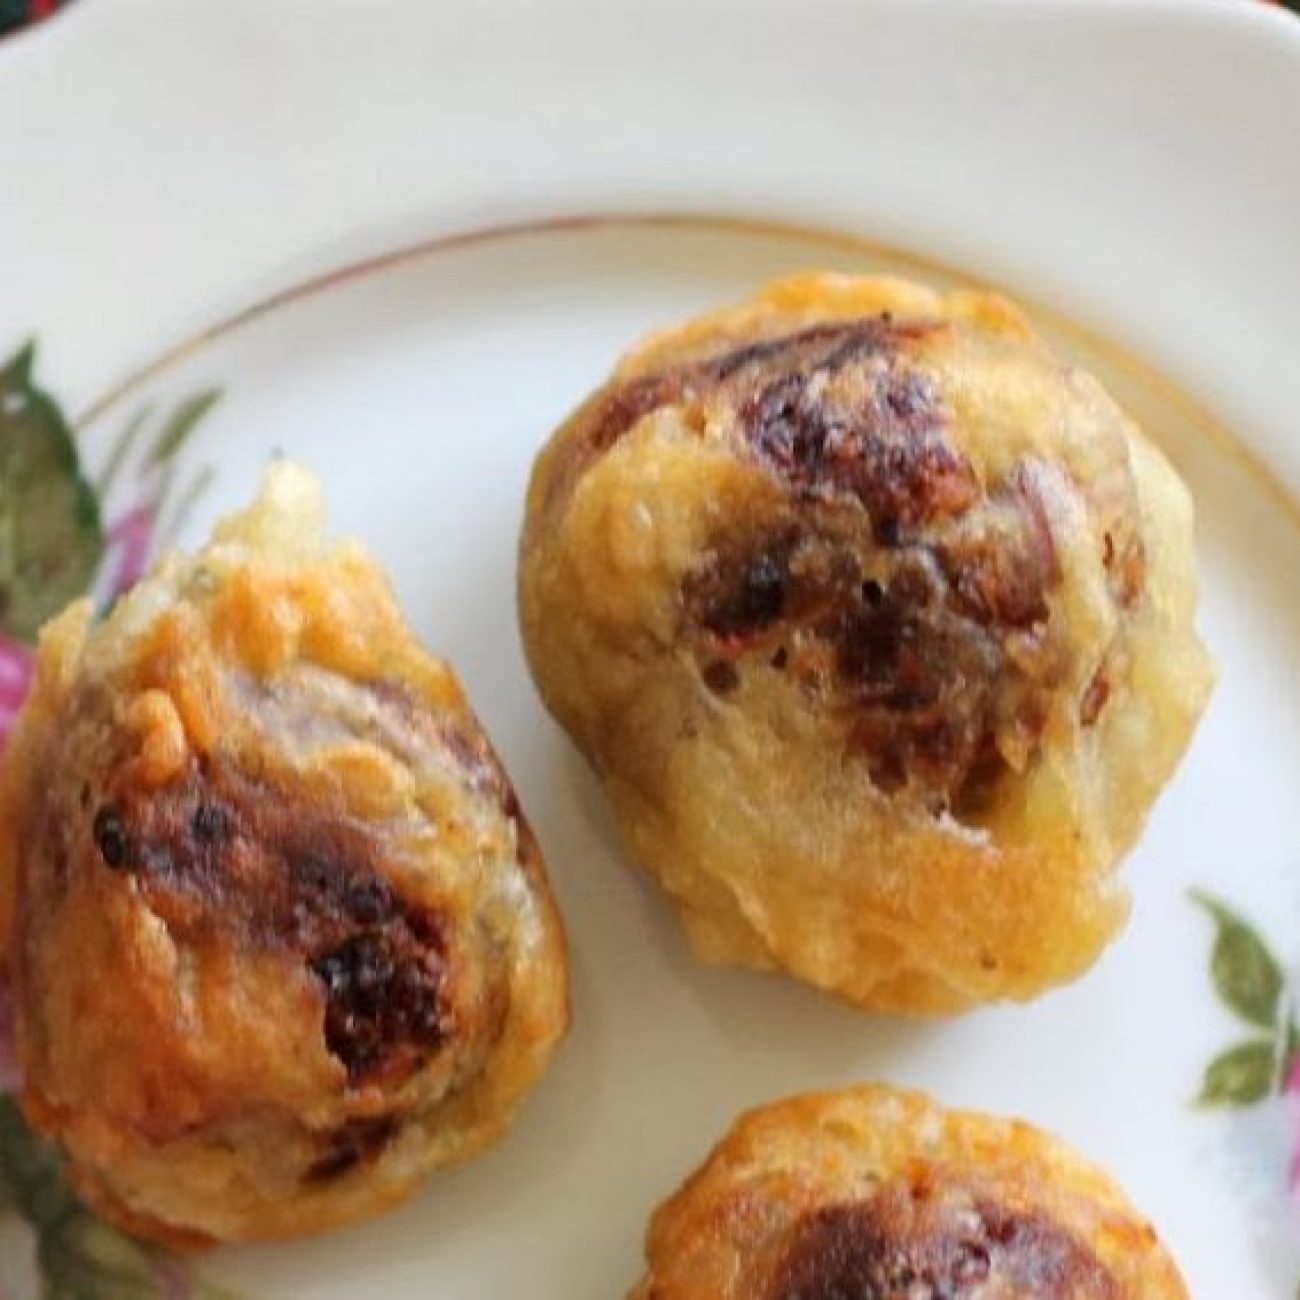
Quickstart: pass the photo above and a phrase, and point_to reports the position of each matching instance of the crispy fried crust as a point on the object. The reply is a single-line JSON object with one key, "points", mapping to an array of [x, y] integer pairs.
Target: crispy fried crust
{"points": [[877, 1193], [876, 620], [283, 939]]}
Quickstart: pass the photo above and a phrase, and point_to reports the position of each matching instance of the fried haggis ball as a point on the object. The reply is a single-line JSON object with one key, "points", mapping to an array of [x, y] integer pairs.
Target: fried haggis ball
{"points": [[877, 1193], [283, 942], [876, 620]]}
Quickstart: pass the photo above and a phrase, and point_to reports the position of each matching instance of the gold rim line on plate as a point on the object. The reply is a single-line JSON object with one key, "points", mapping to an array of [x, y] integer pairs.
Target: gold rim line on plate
{"points": [[827, 237]]}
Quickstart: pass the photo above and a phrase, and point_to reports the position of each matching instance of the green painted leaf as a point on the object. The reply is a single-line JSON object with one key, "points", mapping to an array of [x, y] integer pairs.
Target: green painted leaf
{"points": [[1241, 1076], [80, 1257], [13, 15], [84, 1259], [30, 1170], [51, 539], [181, 423], [1246, 975]]}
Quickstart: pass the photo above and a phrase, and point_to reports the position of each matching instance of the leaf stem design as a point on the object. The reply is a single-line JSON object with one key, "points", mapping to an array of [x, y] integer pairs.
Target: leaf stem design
{"points": [[53, 543], [79, 1256], [122, 449], [168, 529], [1250, 982], [51, 537]]}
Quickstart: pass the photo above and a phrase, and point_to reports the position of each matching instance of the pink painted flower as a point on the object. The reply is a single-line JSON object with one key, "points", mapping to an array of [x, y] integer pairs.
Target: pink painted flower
{"points": [[16, 663], [1291, 1094], [130, 540]]}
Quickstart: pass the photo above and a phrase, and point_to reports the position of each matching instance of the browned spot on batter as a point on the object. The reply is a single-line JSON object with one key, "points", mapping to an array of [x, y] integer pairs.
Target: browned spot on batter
{"points": [[356, 1142], [744, 371], [1094, 698], [736, 602], [1000, 558], [827, 346], [110, 839], [881, 443], [218, 851], [934, 652], [721, 677], [913, 1242], [924, 680], [478, 763], [627, 403], [1125, 562], [905, 596], [380, 991]]}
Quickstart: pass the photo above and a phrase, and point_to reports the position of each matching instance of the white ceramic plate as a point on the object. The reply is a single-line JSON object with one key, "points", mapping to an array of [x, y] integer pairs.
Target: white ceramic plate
{"points": [[169, 163]]}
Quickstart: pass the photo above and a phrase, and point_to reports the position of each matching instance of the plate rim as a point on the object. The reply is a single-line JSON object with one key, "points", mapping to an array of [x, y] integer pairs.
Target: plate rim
{"points": [[1257, 466], [90, 44]]}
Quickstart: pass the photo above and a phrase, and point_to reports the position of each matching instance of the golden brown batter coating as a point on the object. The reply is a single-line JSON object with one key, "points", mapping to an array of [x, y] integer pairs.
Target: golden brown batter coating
{"points": [[875, 1194], [876, 620], [283, 940]]}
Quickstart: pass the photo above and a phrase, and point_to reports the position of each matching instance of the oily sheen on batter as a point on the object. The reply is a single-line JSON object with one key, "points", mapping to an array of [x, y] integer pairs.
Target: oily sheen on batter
{"points": [[282, 940], [877, 1194], [876, 620]]}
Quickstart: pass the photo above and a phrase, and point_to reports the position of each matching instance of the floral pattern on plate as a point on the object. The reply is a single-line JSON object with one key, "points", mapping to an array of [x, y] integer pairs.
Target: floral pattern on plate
{"points": [[1256, 1077], [64, 535], [59, 541], [1250, 981]]}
